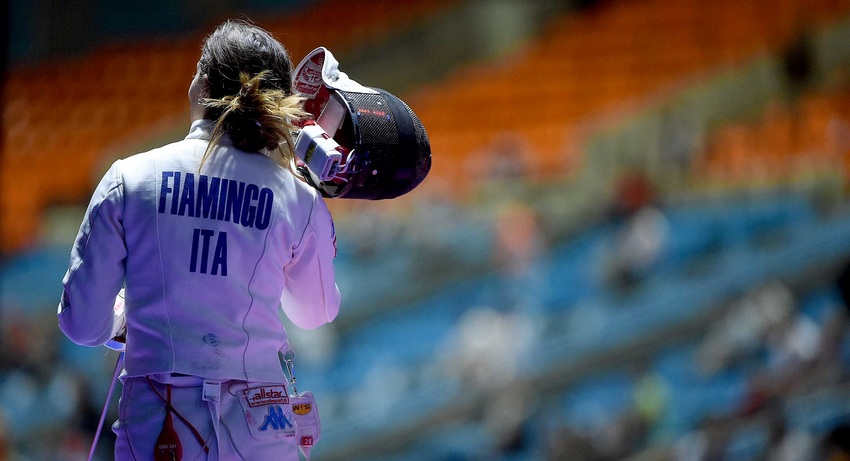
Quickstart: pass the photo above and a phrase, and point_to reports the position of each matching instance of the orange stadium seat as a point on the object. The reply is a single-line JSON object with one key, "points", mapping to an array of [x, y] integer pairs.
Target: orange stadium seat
{"points": [[613, 54], [811, 136]]}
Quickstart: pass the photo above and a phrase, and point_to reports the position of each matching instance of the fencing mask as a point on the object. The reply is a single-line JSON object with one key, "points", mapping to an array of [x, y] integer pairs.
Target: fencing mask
{"points": [[362, 143]]}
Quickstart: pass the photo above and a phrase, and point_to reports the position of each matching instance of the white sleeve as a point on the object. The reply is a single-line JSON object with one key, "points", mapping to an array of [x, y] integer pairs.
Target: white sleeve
{"points": [[311, 297], [96, 271]]}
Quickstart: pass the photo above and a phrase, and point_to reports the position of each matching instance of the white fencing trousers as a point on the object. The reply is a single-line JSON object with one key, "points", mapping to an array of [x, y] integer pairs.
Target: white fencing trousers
{"points": [[242, 421]]}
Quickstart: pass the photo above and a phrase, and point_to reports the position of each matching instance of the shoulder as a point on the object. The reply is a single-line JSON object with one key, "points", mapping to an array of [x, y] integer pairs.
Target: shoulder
{"points": [[175, 148], [303, 188], [143, 163], [308, 196]]}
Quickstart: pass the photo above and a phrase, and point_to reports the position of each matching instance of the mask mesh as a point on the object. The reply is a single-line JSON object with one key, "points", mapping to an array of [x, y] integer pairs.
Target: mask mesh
{"points": [[390, 161]]}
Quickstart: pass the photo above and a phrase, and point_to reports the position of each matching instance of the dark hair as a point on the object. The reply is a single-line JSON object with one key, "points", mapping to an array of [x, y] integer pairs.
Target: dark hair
{"points": [[249, 91]]}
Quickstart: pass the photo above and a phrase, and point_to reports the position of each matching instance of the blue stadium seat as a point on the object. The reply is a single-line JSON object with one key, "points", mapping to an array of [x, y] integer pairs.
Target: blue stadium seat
{"points": [[598, 399]]}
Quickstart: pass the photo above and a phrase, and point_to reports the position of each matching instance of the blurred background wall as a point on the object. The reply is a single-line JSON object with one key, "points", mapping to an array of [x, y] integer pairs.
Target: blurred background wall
{"points": [[633, 243]]}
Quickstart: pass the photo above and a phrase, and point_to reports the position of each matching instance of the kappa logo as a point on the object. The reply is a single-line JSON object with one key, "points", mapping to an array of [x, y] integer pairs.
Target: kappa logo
{"points": [[275, 419]]}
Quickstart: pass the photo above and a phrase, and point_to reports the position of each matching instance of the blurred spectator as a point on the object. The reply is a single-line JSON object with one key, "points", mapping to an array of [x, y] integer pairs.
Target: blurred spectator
{"points": [[633, 191], [692, 446], [651, 400], [798, 65], [830, 366], [15, 339], [506, 416], [843, 282], [681, 138], [83, 418], [518, 254], [791, 346], [745, 327], [707, 442], [487, 348], [619, 437], [794, 445], [563, 442], [485, 354], [640, 232]]}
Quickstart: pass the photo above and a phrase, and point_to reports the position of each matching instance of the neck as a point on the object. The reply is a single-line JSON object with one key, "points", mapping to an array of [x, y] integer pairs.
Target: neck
{"points": [[196, 112]]}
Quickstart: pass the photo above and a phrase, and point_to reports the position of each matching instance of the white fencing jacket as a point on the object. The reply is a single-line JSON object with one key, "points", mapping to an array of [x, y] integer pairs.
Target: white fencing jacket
{"points": [[208, 258]]}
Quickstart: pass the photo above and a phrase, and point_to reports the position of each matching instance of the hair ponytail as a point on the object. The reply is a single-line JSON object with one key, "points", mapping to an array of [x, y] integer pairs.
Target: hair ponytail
{"points": [[257, 118], [249, 94]]}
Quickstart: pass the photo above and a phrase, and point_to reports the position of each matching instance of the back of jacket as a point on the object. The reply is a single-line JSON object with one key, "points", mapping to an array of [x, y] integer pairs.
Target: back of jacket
{"points": [[208, 255]]}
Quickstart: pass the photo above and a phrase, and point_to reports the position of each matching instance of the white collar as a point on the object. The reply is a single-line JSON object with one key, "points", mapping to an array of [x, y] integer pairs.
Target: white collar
{"points": [[202, 129]]}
